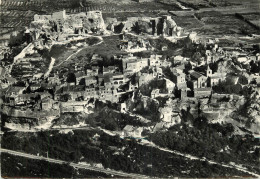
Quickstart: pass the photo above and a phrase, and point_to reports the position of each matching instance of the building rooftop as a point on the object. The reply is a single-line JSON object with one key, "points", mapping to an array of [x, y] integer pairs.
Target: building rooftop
{"points": [[203, 89], [128, 128], [15, 89], [196, 75]]}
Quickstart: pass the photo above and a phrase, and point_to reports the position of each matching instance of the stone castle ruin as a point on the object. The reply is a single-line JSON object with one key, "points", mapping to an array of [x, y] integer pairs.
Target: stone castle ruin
{"points": [[58, 25], [164, 25], [61, 23]]}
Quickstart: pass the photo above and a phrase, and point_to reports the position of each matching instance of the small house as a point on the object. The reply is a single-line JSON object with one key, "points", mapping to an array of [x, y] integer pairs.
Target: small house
{"points": [[131, 131]]}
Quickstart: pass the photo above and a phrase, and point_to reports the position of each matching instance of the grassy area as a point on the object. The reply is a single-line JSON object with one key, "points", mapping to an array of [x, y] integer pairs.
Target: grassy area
{"points": [[189, 23], [108, 48], [224, 24], [62, 52]]}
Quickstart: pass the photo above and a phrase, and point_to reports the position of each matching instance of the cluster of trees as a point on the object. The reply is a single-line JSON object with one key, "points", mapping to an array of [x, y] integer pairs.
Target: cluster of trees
{"points": [[213, 141], [109, 119], [146, 89], [192, 50], [57, 50], [255, 67], [168, 73], [69, 119], [242, 80], [145, 107], [19, 39], [228, 88], [147, 70], [141, 27], [162, 101]]}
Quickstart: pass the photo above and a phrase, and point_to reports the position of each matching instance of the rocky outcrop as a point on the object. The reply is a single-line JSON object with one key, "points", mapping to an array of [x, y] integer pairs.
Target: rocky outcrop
{"points": [[253, 110], [94, 21]]}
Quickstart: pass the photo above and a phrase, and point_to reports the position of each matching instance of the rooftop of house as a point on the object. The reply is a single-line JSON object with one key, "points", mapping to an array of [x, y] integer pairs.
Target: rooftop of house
{"points": [[158, 126], [203, 89], [30, 95], [15, 89], [90, 78], [46, 99], [215, 76], [10, 79], [128, 128], [34, 55], [155, 91], [65, 89], [108, 69], [96, 57], [107, 78], [123, 87], [94, 67], [196, 75], [43, 93], [48, 86], [178, 73], [117, 75]]}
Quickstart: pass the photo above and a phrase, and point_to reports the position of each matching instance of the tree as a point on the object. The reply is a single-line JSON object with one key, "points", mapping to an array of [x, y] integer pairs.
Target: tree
{"points": [[243, 80], [17, 40], [65, 97], [200, 122], [197, 57], [71, 78], [188, 67], [168, 73], [136, 28]]}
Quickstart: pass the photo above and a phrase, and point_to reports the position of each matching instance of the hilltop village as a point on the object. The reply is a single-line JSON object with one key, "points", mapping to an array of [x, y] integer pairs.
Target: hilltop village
{"points": [[211, 79], [136, 88]]}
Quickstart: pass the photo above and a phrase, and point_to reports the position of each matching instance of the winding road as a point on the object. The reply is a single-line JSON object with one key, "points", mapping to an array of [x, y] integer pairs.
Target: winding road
{"points": [[190, 157], [75, 165]]}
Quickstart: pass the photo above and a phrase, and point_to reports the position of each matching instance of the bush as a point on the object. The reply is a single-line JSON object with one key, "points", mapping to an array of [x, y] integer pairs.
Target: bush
{"points": [[146, 89], [227, 88], [243, 80]]}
